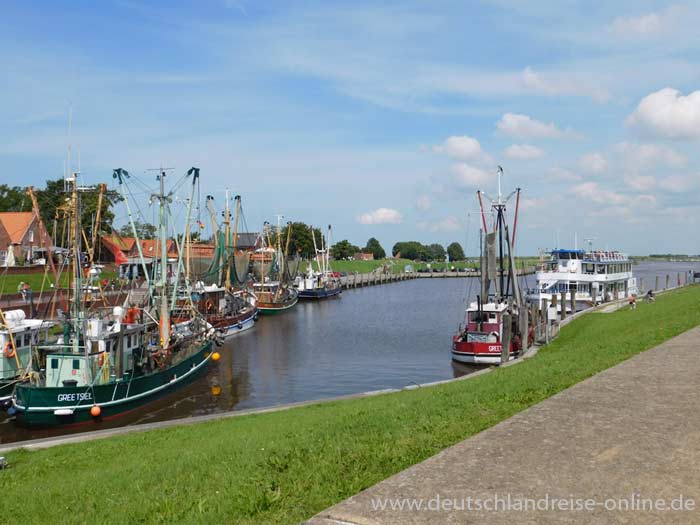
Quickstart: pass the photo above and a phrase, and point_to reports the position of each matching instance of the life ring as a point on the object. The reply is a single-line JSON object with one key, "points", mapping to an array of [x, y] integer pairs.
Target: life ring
{"points": [[208, 304], [9, 350]]}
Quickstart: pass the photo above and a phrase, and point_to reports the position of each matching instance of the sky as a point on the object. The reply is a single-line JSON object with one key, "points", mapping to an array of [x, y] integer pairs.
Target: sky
{"points": [[380, 118]]}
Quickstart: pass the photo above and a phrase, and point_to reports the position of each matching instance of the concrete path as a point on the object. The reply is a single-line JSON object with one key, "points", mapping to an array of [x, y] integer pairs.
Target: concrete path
{"points": [[618, 440]]}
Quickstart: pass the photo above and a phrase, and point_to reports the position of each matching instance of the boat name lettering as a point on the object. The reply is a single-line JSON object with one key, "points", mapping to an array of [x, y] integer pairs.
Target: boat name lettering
{"points": [[494, 348], [84, 396]]}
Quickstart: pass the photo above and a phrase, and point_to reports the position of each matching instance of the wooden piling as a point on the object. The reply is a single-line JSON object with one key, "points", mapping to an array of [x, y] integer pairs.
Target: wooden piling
{"points": [[573, 301], [656, 284], [505, 340], [562, 308]]}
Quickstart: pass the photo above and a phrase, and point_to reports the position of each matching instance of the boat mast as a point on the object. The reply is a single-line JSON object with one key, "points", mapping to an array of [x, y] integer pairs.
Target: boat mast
{"points": [[162, 282], [499, 206], [227, 238]]}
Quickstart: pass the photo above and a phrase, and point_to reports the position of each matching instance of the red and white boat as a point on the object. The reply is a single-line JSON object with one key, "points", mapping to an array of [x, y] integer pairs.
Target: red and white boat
{"points": [[479, 338], [480, 341]]}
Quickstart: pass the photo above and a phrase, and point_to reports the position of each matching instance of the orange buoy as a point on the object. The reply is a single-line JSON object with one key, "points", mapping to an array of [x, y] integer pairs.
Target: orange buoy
{"points": [[9, 350], [95, 411], [216, 356], [216, 390]]}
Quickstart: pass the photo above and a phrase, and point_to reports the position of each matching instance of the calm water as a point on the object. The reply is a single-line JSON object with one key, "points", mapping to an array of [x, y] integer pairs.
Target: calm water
{"points": [[372, 338]]}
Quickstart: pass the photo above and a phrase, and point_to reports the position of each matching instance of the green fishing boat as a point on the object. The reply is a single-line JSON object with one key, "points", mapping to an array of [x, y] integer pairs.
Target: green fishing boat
{"points": [[112, 360]]}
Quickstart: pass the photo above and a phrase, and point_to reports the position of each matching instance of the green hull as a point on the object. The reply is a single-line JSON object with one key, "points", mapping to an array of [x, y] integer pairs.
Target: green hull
{"points": [[57, 406], [277, 309]]}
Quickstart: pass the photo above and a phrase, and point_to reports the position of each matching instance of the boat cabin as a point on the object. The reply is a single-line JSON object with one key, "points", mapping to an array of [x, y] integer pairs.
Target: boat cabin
{"points": [[26, 334], [484, 325]]}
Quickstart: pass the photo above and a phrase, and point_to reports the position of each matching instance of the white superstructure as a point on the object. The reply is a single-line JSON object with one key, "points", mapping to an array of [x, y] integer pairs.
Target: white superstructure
{"points": [[593, 276]]}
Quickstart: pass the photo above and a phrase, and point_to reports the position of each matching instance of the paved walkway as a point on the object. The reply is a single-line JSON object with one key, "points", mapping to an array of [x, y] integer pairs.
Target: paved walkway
{"points": [[620, 438]]}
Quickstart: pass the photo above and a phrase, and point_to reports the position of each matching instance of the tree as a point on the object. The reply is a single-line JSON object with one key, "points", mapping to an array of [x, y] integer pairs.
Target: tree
{"points": [[143, 229], [455, 251], [375, 248], [53, 196], [437, 252], [14, 198], [301, 240], [411, 250], [343, 249]]}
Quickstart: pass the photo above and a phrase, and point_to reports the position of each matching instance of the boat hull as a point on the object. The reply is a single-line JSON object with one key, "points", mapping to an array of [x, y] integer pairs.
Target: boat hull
{"points": [[230, 326], [478, 353], [276, 308], [319, 293], [61, 406]]}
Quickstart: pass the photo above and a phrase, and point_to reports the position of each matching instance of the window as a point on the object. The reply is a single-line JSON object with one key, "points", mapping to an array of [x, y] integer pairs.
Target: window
{"points": [[54, 364], [27, 339], [76, 364]]}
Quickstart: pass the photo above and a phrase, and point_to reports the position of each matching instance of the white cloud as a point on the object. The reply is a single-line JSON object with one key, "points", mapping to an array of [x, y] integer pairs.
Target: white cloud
{"points": [[640, 182], [470, 176], [423, 203], [559, 85], [593, 163], [669, 114], [523, 152], [461, 148], [643, 157], [593, 192], [647, 24], [563, 174], [449, 224], [381, 216], [525, 127]]}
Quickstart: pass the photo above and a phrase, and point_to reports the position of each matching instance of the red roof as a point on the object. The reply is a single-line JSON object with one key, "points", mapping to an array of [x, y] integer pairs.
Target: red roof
{"points": [[151, 248], [16, 223]]}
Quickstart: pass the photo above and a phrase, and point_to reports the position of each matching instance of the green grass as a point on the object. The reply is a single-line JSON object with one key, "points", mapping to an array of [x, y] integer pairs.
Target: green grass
{"points": [[398, 265], [9, 282], [284, 467]]}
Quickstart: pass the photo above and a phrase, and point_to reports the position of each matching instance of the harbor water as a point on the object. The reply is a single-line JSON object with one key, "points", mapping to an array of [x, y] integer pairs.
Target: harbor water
{"points": [[371, 338]]}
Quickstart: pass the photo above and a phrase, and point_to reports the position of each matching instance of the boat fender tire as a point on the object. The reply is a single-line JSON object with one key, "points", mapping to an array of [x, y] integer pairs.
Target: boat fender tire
{"points": [[9, 351]]}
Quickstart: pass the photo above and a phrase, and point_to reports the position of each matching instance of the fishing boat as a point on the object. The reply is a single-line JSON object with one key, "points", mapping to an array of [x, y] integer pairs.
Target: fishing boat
{"points": [[319, 284], [591, 276], [275, 272], [109, 361], [226, 303], [496, 323]]}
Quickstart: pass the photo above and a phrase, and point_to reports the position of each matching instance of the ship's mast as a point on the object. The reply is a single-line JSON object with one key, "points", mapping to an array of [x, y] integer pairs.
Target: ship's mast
{"points": [[162, 281], [227, 246]]}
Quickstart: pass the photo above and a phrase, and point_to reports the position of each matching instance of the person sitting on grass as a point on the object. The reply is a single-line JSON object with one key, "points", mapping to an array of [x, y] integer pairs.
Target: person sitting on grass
{"points": [[633, 302], [650, 296]]}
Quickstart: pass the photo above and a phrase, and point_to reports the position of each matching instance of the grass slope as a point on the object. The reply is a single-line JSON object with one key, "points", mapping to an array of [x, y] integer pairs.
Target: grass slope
{"points": [[284, 467]]}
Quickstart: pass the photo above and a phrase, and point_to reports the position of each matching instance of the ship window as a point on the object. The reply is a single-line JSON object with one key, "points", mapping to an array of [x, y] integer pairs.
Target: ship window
{"points": [[76, 364], [27, 339], [54, 364]]}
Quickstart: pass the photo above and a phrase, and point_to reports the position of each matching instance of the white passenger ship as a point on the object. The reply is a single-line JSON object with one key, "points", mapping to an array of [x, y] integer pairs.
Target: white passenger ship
{"points": [[592, 276]]}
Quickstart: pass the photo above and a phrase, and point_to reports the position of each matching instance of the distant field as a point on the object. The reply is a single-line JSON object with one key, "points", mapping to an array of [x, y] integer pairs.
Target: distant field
{"points": [[398, 265]]}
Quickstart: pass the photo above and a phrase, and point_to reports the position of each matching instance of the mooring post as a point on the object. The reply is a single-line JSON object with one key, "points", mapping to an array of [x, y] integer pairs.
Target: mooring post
{"points": [[505, 340], [543, 310], [656, 284], [562, 306], [573, 301], [640, 288], [668, 278], [679, 279]]}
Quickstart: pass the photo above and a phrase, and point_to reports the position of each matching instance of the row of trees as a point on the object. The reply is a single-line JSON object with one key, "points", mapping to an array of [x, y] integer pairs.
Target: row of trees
{"points": [[345, 249], [417, 251]]}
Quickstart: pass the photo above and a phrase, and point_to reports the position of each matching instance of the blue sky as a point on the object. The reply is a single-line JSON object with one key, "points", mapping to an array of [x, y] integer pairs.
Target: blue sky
{"points": [[379, 118]]}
